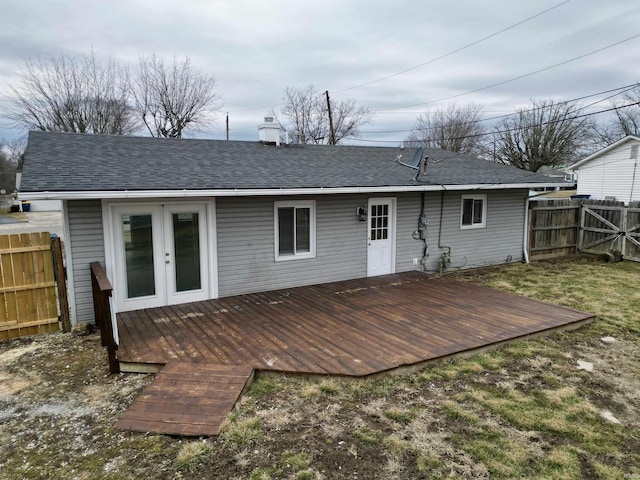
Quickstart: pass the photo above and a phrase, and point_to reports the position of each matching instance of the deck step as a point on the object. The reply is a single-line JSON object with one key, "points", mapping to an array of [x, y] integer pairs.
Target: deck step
{"points": [[189, 399]]}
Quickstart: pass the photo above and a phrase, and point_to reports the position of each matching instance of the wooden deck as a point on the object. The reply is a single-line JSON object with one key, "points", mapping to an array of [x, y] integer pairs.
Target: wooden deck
{"points": [[351, 328]]}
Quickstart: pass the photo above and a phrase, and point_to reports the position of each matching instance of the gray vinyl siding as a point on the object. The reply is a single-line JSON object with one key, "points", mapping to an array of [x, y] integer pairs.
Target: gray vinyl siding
{"points": [[407, 248], [87, 245], [502, 240], [246, 245]]}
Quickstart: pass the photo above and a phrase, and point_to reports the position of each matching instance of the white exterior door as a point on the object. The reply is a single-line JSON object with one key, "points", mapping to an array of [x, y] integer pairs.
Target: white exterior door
{"points": [[381, 236], [161, 255]]}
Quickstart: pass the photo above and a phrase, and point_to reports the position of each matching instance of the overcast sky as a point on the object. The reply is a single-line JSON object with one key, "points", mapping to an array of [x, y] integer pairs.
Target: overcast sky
{"points": [[257, 48]]}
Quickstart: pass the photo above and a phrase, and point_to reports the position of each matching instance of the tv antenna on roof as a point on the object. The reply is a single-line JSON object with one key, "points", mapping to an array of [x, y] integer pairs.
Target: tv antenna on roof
{"points": [[415, 162]]}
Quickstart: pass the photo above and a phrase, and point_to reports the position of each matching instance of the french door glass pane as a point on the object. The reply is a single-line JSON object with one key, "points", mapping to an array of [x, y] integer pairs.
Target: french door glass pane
{"points": [[186, 241], [138, 246], [303, 230]]}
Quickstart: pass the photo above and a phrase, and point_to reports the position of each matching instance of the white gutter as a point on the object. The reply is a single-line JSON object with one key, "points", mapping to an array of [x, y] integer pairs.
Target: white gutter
{"points": [[253, 192]]}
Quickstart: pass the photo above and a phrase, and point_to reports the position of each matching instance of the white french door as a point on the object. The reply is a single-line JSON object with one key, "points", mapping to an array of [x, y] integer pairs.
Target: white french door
{"points": [[161, 254], [381, 236]]}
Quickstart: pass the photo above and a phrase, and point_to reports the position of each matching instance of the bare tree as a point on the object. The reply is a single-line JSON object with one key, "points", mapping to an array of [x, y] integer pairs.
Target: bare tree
{"points": [[172, 97], [305, 113], [15, 149], [624, 121], [72, 94], [457, 129], [548, 134], [10, 156]]}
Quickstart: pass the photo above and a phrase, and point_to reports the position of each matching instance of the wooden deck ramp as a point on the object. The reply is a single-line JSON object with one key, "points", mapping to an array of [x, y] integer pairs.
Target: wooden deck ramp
{"points": [[189, 399]]}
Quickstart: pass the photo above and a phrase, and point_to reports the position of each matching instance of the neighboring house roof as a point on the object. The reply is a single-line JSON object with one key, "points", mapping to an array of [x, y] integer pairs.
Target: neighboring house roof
{"points": [[91, 166], [553, 171], [559, 194], [628, 138]]}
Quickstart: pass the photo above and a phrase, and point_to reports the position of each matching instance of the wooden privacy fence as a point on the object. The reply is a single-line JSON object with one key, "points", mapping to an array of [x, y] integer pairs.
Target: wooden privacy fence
{"points": [[562, 227], [28, 300]]}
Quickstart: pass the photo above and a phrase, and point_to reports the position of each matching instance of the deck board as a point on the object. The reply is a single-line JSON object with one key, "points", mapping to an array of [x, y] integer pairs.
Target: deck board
{"points": [[187, 399], [355, 327]]}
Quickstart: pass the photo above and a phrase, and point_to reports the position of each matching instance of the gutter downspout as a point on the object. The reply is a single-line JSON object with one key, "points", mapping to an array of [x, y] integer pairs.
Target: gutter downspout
{"points": [[526, 232], [445, 257], [633, 179]]}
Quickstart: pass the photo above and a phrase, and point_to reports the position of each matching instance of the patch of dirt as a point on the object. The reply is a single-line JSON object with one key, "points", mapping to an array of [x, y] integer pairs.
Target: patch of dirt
{"points": [[58, 403]]}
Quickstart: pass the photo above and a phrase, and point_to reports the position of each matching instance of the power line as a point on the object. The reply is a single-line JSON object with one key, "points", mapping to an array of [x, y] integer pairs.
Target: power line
{"points": [[476, 42], [579, 57], [452, 52], [476, 135], [623, 89], [487, 87]]}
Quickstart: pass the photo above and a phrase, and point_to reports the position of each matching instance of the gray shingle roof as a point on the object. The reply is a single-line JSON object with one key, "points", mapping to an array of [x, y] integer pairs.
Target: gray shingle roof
{"points": [[59, 162]]}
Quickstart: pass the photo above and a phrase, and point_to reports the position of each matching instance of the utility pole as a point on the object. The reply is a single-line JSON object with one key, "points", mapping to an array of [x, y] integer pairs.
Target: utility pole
{"points": [[332, 137], [227, 126]]}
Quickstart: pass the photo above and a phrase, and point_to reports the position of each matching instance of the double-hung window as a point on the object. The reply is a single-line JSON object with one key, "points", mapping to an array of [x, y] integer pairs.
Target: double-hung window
{"points": [[295, 230], [473, 211]]}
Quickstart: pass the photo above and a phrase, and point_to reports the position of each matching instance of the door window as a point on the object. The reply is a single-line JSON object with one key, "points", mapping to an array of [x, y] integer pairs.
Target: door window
{"points": [[379, 222]]}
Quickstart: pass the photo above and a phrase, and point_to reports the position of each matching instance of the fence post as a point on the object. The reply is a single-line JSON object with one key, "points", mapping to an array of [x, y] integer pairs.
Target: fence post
{"points": [[532, 223], [581, 227], [623, 228], [61, 281]]}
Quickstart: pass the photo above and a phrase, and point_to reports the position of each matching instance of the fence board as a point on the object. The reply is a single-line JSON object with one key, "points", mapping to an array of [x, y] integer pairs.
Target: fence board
{"points": [[28, 297], [8, 307], [28, 300], [632, 245]]}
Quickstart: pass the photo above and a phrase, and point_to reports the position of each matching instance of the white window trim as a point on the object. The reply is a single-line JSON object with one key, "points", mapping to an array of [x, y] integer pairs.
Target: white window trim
{"points": [[482, 224], [311, 205]]}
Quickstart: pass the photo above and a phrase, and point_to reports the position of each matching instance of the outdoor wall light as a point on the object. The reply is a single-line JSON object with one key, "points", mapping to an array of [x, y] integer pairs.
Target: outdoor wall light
{"points": [[361, 211]]}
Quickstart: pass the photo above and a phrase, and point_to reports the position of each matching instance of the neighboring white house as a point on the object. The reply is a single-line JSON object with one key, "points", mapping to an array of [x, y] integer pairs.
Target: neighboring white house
{"points": [[611, 173]]}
